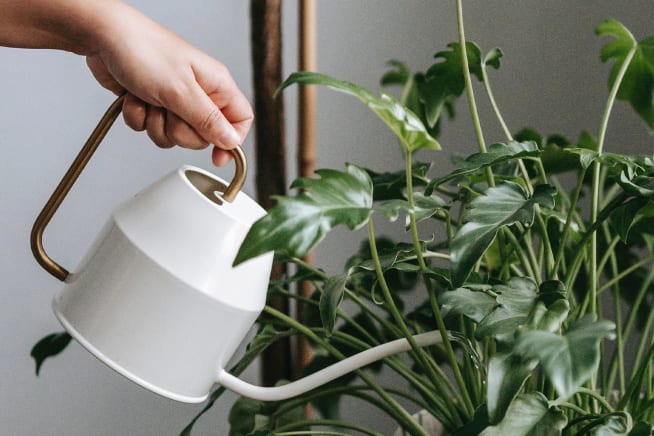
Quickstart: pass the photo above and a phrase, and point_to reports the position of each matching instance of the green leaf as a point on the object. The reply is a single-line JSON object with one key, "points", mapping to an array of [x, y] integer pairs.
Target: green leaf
{"points": [[403, 122], [529, 415], [473, 304], [497, 153], [500, 206], [243, 416], [297, 224], [507, 374], [398, 75], [637, 86], [444, 80], [623, 217], [514, 302], [637, 185], [391, 208], [391, 186], [330, 299], [493, 58], [549, 319], [614, 424], [49, 346], [426, 206], [570, 359], [641, 429]]}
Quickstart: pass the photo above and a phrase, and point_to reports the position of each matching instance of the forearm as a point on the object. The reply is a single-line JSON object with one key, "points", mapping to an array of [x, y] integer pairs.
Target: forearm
{"points": [[78, 26]]}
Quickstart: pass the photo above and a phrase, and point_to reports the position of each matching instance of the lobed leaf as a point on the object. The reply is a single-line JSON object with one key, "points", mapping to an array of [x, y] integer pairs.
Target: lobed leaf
{"points": [[570, 359], [507, 374], [497, 153], [529, 415], [498, 207], [297, 224], [637, 86], [403, 122]]}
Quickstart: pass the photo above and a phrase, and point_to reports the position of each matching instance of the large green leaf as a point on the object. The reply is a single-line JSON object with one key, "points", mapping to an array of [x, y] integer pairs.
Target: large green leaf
{"points": [[500, 206], [49, 346], [296, 224], [507, 374], [529, 415], [637, 86], [444, 80], [497, 153], [570, 359], [403, 122], [474, 303], [514, 303], [614, 424], [391, 186], [624, 217]]}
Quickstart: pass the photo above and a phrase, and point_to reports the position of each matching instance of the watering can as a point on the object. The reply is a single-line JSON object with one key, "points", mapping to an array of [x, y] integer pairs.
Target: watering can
{"points": [[157, 299]]}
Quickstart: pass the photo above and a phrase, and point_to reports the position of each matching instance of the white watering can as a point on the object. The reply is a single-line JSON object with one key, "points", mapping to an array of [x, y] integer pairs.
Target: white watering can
{"points": [[157, 298]]}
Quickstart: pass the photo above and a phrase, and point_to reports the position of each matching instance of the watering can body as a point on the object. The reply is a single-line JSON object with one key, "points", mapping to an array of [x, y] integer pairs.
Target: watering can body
{"points": [[157, 298]]}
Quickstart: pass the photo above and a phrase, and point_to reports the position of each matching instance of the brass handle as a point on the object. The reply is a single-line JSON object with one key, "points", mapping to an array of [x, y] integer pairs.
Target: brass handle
{"points": [[69, 179]]}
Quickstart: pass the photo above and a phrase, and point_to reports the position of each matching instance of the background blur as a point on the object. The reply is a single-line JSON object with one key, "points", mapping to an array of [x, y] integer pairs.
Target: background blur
{"points": [[551, 79]]}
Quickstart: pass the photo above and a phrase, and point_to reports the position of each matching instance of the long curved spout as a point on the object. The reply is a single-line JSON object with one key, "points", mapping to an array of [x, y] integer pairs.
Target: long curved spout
{"points": [[325, 375]]}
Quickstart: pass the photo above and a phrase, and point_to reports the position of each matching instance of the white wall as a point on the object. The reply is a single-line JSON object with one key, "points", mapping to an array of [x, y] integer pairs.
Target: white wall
{"points": [[50, 103]]}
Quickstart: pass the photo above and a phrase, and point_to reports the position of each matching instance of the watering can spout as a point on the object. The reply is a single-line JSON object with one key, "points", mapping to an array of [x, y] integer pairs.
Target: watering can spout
{"points": [[325, 375]]}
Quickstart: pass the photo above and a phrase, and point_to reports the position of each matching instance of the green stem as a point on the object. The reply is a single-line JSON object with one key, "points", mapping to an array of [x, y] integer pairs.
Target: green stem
{"points": [[397, 316], [491, 98], [596, 174], [597, 396], [572, 406], [467, 401], [568, 221], [469, 90], [614, 280], [399, 412]]}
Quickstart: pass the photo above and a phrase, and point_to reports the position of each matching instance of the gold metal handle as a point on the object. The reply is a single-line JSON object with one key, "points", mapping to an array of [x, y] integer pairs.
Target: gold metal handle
{"points": [[69, 179]]}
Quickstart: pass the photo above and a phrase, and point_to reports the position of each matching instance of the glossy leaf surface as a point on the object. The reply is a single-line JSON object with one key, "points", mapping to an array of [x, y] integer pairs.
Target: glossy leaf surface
{"points": [[637, 86], [568, 359], [404, 123], [296, 224], [499, 207], [529, 415]]}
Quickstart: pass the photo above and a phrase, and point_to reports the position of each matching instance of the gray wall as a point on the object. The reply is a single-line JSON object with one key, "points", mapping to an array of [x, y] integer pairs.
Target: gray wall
{"points": [[549, 80]]}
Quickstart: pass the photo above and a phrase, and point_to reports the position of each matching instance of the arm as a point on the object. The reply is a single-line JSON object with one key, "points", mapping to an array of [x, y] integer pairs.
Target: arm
{"points": [[180, 95]]}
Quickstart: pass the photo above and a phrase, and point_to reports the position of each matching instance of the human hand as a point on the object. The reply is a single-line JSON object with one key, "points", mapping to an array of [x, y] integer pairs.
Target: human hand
{"points": [[175, 92]]}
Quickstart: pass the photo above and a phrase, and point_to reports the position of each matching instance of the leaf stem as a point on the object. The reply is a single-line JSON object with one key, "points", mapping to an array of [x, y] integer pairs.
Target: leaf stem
{"points": [[398, 411], [474, 113], [596, 174], [467, 401]]}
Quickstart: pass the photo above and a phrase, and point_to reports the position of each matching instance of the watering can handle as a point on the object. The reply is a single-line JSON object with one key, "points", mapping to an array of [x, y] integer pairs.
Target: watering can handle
{"points": [[67, 182]]}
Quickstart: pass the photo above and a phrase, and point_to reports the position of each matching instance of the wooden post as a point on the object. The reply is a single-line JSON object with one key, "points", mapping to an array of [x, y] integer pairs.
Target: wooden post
{"points": [[266, 39], [306, 146]]}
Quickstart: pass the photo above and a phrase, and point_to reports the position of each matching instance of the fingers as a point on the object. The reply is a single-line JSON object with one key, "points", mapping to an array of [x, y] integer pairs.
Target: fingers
{"points": [[220, 157], [134, 112], [163, 127], [214, 105]]}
